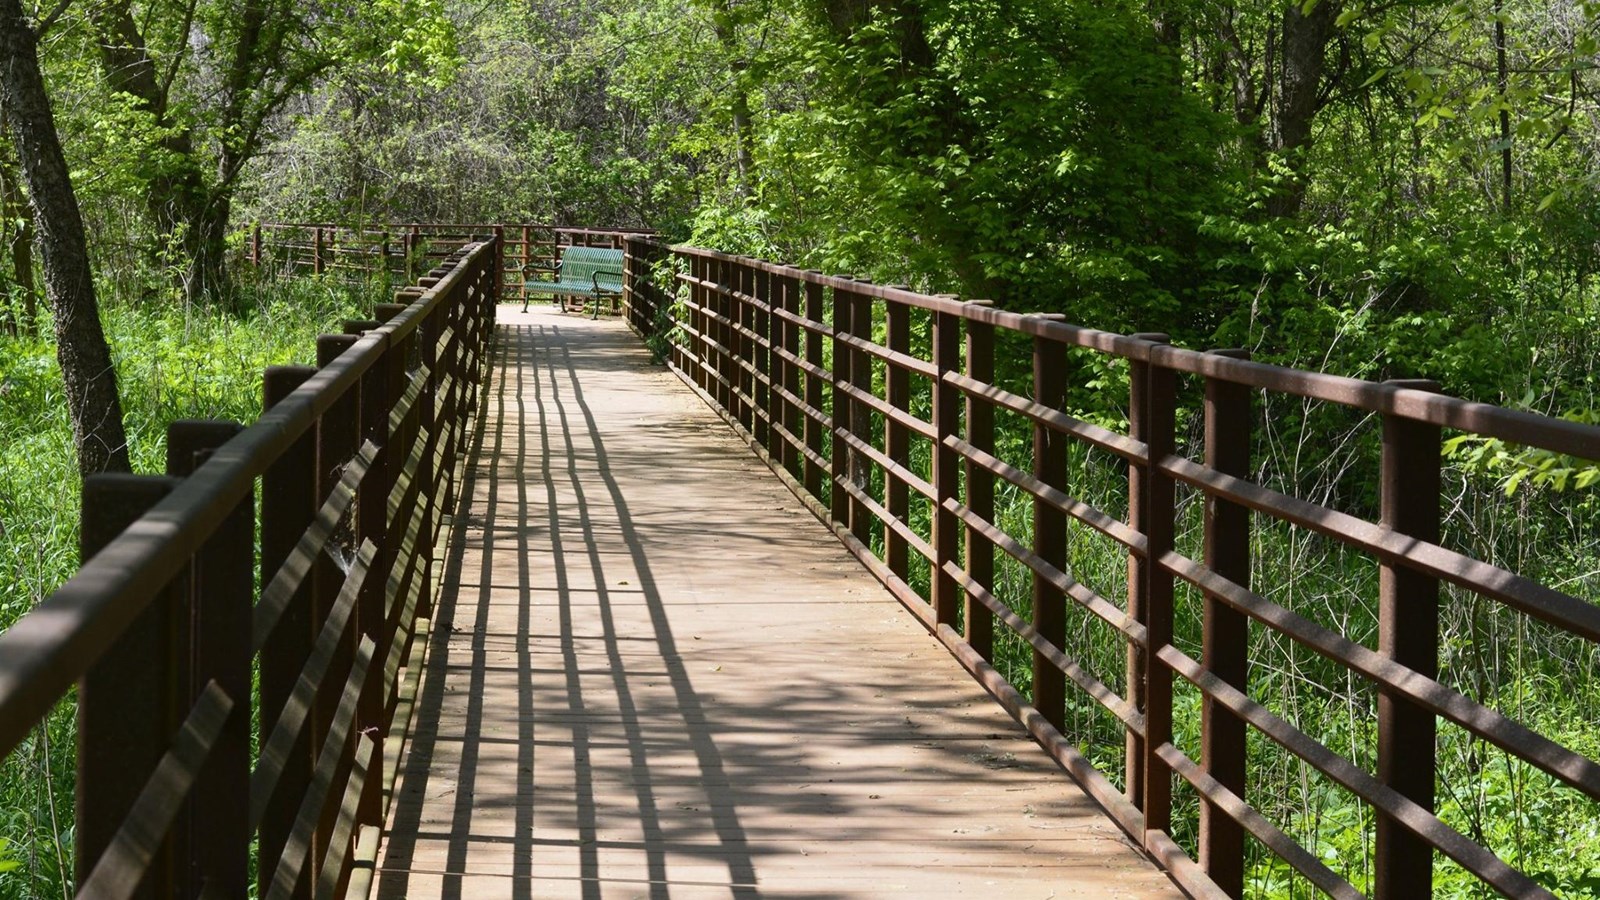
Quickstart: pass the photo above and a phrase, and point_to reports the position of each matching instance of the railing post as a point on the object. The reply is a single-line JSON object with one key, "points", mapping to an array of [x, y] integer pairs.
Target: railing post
{"points": [[288, 504], [1408, 633], [1049, 525], [255, 244], [946, 463], [317, 264], [760, 282], [860, 423], [222, 574], [839, 505], [814, 432], [380, 386], [749, 402], [337, 441], [1151, 496], [128, 702], [722, 278], [1226, 631], [980, 484], [500, 265], [794, 458], [896, 439]]}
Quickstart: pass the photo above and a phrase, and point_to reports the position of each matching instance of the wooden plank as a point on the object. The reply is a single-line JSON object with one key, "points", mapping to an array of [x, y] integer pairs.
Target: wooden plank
{"points": [[652, 671]]}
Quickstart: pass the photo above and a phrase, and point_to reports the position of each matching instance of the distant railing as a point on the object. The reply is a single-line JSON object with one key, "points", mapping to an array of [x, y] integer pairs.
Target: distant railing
{"points": [[793, 360], [404, 250], [175, 653]]}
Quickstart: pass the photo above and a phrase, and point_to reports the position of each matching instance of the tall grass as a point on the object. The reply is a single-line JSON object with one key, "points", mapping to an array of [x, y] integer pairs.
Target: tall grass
{"points": [[172, 363]]}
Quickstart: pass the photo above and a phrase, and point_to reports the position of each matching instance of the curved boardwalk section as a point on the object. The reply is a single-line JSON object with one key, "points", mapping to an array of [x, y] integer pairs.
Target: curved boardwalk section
{"points": [[654, 674]]}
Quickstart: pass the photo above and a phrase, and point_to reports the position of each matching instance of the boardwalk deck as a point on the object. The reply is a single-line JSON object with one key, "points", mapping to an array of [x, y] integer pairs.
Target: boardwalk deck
{"points": [[653, 674]]}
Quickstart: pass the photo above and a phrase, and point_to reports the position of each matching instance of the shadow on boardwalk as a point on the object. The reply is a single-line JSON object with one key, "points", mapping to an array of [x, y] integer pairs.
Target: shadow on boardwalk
{"points": [[652, 674]]}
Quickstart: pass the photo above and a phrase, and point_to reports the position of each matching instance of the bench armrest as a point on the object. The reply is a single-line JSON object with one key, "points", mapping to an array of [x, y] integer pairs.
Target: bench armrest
{"points": [[598, 272]]}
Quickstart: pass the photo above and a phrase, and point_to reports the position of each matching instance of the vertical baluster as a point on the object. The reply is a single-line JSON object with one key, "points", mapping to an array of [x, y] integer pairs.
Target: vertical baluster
{"points": [[1226, 631], [1150, 506], [793, 417], [218, 825], [980, 483], [1408, 633], [861, 519], [727, 337], [814, 432], [336, 445], [255, 244], [288, 503], [946, 463], [839, 507], [1049, 526], [761, 356], [128, 702], [896, 439], [317, 264]]}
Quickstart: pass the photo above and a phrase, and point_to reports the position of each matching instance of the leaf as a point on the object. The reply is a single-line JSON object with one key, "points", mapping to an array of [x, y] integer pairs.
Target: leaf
{"points": [[1546, 200]]}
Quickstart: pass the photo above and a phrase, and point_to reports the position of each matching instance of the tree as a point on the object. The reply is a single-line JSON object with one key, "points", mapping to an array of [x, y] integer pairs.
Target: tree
{"points": [[86, 369]]}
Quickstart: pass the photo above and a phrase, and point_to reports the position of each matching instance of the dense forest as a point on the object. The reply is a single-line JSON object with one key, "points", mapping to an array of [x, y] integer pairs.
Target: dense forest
{"points": [[1376, 188]]}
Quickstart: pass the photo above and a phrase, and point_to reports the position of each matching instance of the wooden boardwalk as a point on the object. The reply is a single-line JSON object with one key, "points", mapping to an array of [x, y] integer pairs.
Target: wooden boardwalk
{"points": [[654, 674]]}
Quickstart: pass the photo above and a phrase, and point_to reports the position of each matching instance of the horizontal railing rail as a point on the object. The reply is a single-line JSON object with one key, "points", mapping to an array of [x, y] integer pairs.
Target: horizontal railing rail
{"points": [[818, 373], [402, 250], [357, 462]]}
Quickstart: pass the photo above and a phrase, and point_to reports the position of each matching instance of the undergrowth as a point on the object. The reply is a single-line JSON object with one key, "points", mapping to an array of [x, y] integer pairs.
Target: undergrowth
{"points": [[172, 363]]}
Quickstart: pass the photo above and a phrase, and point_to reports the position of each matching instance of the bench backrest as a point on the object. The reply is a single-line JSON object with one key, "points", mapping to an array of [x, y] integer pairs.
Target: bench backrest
{"points": [[602, 264]]}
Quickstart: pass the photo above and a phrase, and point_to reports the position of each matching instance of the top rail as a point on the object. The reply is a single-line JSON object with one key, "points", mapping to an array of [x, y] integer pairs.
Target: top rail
{"points": [[816, 371], [157, 628]]}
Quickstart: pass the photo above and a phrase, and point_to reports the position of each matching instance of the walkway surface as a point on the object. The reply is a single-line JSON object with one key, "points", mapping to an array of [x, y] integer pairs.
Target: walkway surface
{"points": [[654, 674]]}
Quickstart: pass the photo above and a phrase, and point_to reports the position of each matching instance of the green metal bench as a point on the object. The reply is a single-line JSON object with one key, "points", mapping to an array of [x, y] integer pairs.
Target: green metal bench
{"points": [[593, 272]]}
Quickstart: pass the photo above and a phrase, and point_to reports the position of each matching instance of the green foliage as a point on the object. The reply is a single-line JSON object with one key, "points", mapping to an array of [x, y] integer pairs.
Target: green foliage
{"points": [[171, 364]]}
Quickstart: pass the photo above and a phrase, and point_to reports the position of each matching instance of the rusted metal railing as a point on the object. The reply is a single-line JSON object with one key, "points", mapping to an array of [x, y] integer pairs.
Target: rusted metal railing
{"points": [[173, 646], [406, 249], [750, 337]]}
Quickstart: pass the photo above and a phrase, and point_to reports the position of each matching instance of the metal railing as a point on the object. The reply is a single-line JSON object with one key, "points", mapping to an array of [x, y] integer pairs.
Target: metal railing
{"points": [[178, 641], [403, 250], [791, 359]]}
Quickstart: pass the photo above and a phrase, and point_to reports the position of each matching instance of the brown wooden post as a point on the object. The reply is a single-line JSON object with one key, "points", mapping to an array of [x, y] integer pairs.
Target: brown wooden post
{"points": [[793, 418], [500, 264], [1151, 498], [896, 438], [946, 463], [255, 244], [337, 441], [749, 411], [383, 253], [840, 453], [1050, 449], [222, 575], [288, 504], [777, 369], [815, 434], [380, 387], [129, 701], [1408, 633], [980, 484], [317, 264], [760, 284], [860, 423], [1226, 631], [722, 277]]}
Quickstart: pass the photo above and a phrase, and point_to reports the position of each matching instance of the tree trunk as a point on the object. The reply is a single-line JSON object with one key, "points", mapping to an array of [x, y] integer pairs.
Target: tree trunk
{"points": [[90, 380], [1305, 43]]}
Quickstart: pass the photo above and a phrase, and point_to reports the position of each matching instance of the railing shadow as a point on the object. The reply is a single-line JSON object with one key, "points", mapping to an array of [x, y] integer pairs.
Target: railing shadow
{"points": [[619, 773]]}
